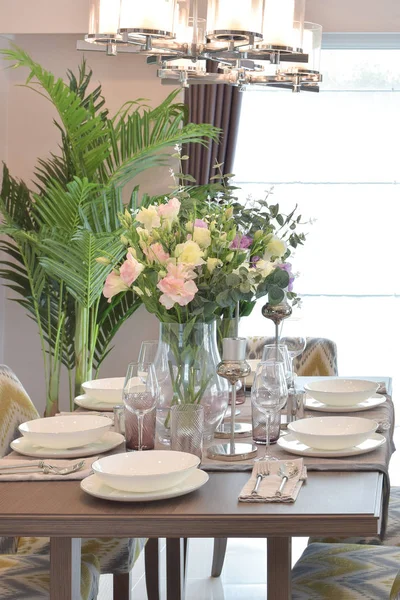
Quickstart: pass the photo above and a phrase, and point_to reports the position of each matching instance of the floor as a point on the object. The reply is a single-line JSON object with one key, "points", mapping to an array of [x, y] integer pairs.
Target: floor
{"points": [[244, 573]]}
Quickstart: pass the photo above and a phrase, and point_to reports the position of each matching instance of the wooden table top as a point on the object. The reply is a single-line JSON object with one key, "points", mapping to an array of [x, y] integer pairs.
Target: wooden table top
{"points": [[342, 503]]}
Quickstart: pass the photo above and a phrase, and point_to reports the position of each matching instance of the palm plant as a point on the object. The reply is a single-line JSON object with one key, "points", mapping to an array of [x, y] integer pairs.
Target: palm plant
{"points": [[56, 233]]}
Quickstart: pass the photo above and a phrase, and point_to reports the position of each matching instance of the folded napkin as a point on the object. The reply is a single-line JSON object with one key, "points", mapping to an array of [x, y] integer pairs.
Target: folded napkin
{"points": [[267, 490], [16, 473]]}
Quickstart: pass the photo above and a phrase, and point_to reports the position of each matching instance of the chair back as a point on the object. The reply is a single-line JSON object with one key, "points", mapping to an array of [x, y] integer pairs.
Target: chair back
{"points": [[15, 408], [318, 359]]}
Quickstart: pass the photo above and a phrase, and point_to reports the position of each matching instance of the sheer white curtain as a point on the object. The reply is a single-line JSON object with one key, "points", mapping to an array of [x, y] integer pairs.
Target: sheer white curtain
{"points": [[336, 155]]}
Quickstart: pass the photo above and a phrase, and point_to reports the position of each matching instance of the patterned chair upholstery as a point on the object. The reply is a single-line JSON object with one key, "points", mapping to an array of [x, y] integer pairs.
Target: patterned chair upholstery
{"points": [[392, 534], [318, 359], [28, 577], [116, 555], [346, 572]]}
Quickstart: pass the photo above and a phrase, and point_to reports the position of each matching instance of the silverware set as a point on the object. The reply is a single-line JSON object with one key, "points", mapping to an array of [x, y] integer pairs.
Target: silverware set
{"points": [[40, 467], [286, 471]]}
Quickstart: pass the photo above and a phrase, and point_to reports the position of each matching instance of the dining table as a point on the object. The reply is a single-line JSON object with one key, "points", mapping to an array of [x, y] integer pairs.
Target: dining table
{"points": [[333, 502]]}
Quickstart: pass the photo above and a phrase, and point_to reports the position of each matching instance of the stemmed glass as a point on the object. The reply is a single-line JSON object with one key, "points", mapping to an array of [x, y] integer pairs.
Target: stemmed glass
{"points": [[295, 345], [280, 353], [140, 393], [269, 393], [148, 351]]}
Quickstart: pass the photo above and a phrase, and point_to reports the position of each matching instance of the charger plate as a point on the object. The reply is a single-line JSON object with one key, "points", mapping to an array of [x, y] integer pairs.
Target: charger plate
{"points": [[110, 440], [93, 486], [373, 402], [292, 445]]}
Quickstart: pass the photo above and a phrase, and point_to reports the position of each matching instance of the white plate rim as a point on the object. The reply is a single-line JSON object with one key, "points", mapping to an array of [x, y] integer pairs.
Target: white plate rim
{"points": [[110, 440], [85, 401], [309, 404], [319, 453], [193, 482]]}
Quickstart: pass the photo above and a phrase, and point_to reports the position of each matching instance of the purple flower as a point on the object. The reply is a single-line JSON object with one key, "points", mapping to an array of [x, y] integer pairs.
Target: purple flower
{"points": [[241, 242], [254, 261], [288, 268], [200, 223]]}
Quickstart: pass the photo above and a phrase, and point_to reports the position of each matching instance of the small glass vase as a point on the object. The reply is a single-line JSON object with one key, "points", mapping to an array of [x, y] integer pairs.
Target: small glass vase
{"points": [[186, 364]]}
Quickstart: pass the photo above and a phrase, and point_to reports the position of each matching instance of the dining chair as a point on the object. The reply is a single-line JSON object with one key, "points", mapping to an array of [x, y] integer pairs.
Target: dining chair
{"points": [[28, 577], [347, 572], [116, 556], [319, 358]]}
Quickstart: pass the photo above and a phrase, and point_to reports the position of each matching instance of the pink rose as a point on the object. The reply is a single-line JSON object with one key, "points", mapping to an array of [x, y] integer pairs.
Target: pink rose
{"points": [[156, 253], [176, 287], [113, 286], [130, 270], [169, 211]]}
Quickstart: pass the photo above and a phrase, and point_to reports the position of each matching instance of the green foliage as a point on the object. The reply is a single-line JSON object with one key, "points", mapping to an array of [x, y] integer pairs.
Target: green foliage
{"points": [[57, 231]]}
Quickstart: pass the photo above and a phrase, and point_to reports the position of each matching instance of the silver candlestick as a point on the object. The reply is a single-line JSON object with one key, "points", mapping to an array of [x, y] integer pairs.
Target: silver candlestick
{"points": [[233, 367], [277, 313]]}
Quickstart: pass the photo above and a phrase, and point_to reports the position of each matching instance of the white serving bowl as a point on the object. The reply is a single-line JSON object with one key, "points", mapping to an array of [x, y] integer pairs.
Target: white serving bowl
{"points": [[105, 390], [69, 431], [145, 471], [332, 433], [341, 392]]}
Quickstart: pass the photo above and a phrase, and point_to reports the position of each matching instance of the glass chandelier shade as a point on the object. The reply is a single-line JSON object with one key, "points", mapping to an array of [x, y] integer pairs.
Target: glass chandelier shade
{"points": [[312, 41], [103, 21], [234, 19], [283, 22], [148, 17]]}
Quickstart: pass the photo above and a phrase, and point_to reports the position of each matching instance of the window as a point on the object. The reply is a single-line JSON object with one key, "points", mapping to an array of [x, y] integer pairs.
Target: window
{"points": [[336, 154]]}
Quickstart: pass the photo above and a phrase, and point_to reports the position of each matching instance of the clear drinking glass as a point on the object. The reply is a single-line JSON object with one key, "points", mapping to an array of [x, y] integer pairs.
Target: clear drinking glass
{"points": [[187, 428], [280, 354], [148, 351], [295, 345], [140, 392], [269, 393]]}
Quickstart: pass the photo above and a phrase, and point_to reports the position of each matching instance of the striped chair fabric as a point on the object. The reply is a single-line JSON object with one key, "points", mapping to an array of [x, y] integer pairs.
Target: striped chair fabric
{"points": [[346, 572], [28, 577], [318, 359], [116, 556]]}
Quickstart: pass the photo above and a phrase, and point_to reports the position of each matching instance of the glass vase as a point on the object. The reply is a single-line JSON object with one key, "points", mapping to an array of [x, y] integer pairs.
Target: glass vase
{"points": [[186, 364]]}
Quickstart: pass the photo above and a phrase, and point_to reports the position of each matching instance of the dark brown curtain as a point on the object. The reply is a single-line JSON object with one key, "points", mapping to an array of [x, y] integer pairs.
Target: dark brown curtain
{"points": [[218, 104]]}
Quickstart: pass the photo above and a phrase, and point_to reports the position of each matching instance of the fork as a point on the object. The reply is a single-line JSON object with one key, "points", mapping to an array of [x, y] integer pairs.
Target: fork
{"points": [[41, 466], [262, 471]]}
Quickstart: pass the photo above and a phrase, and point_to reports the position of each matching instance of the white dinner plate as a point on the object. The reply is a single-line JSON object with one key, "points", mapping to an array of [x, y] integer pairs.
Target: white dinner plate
{"points": [[84, 401], [292, 445], [109, 441], [92, 485], [375, 400]]}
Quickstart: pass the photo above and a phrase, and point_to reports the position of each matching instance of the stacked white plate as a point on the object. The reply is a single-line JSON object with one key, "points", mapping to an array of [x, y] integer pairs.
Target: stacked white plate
{"points": [[101, 394], [331, 436], [144, 476], [66, 436]]}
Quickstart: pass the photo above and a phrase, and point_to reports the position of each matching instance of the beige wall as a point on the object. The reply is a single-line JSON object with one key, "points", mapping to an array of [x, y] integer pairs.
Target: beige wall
{"points": [[31, 134], [71, 16], [4, 86]]}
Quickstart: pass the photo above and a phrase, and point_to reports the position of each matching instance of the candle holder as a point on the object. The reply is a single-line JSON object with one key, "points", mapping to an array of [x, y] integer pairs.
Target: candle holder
{"points": [[277, 313], [233, 367]]}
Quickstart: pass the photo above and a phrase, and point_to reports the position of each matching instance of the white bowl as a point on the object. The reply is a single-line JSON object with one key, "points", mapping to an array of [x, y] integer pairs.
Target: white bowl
{"points": [[145, 471], [70, 431], [341, 392], [332, 433], [105, 390]]}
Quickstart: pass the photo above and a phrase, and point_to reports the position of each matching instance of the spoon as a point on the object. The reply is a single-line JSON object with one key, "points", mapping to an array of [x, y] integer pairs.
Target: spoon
{"points": [[286, 471]]}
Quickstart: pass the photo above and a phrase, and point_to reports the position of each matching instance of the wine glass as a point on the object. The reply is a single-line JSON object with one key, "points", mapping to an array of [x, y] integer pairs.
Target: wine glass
{"points": [[140, 393], [295, 345], [269, 393], [280, 353], [148, 351]]}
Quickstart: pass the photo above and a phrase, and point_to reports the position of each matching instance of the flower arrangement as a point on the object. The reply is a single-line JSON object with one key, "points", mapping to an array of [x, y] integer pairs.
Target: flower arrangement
{"points": [[193, 260]]}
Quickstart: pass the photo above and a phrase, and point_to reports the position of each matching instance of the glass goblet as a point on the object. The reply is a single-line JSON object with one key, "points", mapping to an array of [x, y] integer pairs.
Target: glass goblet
{"points": [[148, 351], [280, 354], [269, 393], [295, 345], [140, 393]]}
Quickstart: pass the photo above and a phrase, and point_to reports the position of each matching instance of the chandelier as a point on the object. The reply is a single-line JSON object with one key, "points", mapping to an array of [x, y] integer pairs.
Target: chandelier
{"points": [[236, 42]]}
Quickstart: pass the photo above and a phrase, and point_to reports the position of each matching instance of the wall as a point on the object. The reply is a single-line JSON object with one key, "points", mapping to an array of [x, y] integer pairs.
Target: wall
{"points": [[4, 85], [31, 135]]}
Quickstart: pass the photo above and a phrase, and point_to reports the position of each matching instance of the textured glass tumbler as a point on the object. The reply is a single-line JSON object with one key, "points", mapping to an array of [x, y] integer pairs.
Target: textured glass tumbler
{"points": [[187, 428], [259, 432]]}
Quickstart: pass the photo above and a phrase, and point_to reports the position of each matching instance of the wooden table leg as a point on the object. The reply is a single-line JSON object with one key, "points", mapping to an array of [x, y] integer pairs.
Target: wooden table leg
{"points": [[175, 569], [151, 560], [65, 568], [279, 566]]}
